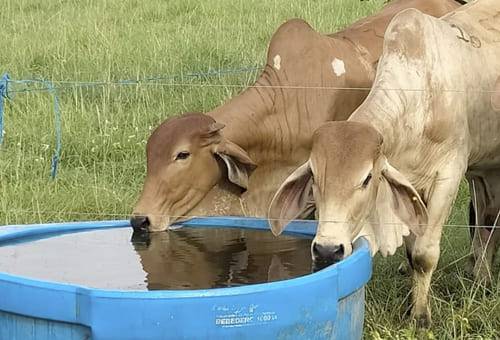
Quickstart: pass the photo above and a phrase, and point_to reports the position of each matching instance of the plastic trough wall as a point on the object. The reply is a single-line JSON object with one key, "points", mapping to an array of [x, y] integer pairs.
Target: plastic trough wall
{"points": [[328, 304]]}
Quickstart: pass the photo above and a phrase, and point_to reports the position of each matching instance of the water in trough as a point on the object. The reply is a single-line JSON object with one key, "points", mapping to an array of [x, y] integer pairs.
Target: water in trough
{"points": [[187, 258]]}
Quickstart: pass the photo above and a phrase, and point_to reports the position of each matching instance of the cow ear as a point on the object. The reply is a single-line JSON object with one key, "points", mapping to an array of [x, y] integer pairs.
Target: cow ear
{"points": [[214, 127], [211, 134], [495, 96], [238, 162], [399, 210], [292, 200]]}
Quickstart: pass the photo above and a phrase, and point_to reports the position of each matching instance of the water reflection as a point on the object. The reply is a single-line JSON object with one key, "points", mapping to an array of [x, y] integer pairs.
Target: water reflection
{"points": [[202, 258], [188, 258]]}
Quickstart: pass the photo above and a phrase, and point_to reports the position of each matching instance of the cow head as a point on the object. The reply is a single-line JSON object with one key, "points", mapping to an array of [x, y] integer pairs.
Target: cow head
{"points": [[356, 193], [186, 157]]}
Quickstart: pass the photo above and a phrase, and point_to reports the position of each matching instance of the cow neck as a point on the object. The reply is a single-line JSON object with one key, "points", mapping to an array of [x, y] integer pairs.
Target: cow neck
{"points": [[246, 117], [385, 112], [222, 200]]}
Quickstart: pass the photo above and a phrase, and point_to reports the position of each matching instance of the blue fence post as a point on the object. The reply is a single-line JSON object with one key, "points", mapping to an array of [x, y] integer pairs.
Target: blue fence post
{"points": [[4, 94]]}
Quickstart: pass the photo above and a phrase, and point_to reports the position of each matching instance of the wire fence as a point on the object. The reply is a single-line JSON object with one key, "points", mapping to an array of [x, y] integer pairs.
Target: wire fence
{"points": [[154, 80], [127, 215], [10, 87]]}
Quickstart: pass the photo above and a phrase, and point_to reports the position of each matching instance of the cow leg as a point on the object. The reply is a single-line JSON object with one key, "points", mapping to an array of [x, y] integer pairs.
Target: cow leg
{"points": [[472, 223], [426, 248], [485, 206], [405, 267], [472, 220], [484, 247], [476, 212]]}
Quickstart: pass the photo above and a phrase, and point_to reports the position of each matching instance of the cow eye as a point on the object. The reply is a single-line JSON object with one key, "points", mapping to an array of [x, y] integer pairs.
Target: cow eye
{"points": [[182, 155], [367, 180]]}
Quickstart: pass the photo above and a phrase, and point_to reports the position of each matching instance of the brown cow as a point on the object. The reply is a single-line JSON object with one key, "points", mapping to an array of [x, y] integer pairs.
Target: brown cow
{"points": [[231, 160]]}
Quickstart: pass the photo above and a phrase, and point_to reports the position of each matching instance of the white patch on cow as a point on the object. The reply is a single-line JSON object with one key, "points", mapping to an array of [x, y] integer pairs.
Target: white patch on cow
{"points": [[338, 67], [277, 61]]}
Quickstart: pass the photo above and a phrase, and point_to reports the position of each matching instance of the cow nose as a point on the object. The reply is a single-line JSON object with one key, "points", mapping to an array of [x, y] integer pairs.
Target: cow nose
{"points": [[139, 223], [328, 253]]}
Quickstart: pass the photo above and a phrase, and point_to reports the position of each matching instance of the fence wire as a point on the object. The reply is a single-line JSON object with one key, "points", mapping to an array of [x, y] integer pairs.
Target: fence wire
{"points": [[127, 215], [10, 87]]}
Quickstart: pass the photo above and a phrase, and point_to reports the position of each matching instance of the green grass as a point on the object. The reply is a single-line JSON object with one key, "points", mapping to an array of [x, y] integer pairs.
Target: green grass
{"points": [[105, 128]]}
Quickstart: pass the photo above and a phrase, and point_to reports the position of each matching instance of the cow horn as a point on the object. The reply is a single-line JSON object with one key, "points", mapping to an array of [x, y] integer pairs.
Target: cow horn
{"points": [[214, 127]]}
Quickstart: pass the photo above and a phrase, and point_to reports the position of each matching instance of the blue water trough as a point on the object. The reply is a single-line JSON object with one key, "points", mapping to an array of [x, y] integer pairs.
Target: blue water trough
{"points": [[328, 304]]}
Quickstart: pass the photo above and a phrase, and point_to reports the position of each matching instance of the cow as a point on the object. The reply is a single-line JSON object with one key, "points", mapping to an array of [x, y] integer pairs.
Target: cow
{"points": [[392, 171], [484, 188], [230, 161]]}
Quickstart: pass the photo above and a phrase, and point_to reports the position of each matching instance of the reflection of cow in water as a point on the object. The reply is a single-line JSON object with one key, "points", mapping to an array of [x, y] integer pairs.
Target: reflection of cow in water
{"points": [[204, 258]]}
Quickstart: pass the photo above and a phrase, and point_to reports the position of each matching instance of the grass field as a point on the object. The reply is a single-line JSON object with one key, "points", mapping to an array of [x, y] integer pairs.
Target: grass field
{"points": [[105, 128]]}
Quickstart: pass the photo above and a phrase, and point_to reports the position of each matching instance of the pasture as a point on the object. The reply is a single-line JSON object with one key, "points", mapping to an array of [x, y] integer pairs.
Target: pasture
{"points": [[105, 128]]}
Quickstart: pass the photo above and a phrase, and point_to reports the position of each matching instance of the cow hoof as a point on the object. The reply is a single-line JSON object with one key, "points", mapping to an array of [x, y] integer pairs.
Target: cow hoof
{"points": [[469, 265], [422, 318], [485, 283], [423, 321], [404, 268], [482, 276]]}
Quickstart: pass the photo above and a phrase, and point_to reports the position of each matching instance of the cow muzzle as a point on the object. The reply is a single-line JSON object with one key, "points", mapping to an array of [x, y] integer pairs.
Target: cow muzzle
{"points": [[140, 223], [325, 254]]}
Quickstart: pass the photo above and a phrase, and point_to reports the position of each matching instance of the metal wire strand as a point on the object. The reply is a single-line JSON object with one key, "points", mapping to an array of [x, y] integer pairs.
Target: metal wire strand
{"points": [[185, 217]]}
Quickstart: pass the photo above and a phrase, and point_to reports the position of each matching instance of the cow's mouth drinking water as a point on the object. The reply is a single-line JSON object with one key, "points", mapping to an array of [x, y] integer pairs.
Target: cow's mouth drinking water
{"points": [[141, 224], [324, 256]]}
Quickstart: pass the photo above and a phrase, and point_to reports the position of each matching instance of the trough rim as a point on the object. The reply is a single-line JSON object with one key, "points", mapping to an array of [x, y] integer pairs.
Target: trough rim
{"points": [[349, 277]]}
